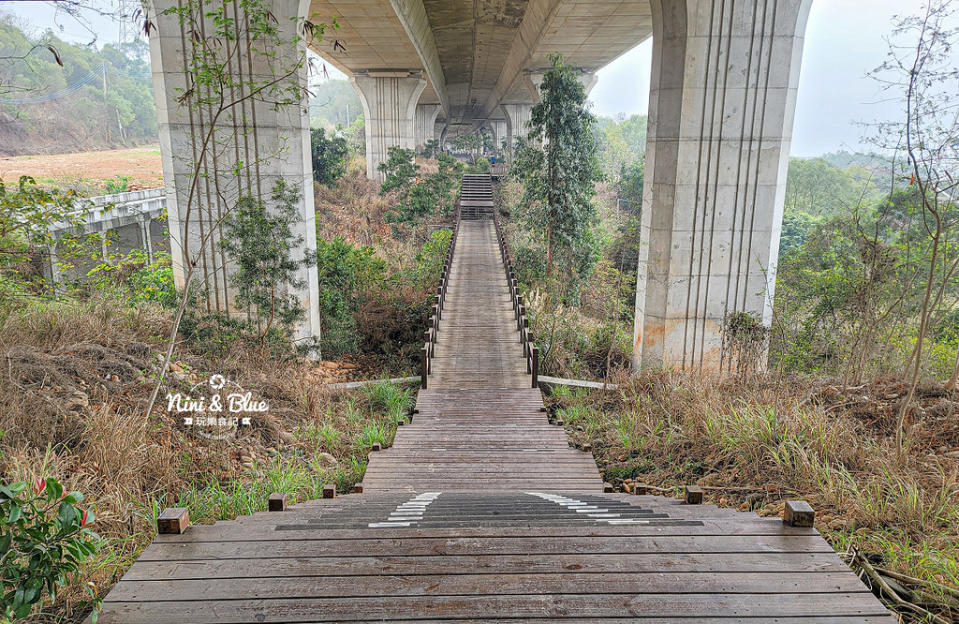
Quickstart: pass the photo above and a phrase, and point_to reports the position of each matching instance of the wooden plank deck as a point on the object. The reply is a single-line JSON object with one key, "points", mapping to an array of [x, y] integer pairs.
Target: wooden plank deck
{"points": [[481, 512]]}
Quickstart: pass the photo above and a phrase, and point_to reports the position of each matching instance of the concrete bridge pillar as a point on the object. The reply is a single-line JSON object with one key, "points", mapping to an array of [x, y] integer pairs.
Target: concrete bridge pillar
{"points": [[218, 147], [517, 121], [720, 121], [389, 105], [500, 130], [425, 122]]}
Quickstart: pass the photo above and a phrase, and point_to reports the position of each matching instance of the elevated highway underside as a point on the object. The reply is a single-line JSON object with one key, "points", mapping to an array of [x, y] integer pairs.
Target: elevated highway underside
{"points": [[477, 55], [723, 90]]}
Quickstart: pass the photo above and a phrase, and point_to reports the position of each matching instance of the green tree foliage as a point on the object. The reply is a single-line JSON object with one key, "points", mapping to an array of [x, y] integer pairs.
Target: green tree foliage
{"points": [[816, 187], [346, 275], [558, 167], [74, 93], [334, 104], [430, 149], [260, 241], [419, 196], [368, 306], [329, 156], [849, 288], [472, 144], [630, 186], [44, 539], [619, 144]]}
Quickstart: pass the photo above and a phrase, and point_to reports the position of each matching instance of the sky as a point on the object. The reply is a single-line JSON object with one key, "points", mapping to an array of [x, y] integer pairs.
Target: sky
{"points": [[844, 41]]}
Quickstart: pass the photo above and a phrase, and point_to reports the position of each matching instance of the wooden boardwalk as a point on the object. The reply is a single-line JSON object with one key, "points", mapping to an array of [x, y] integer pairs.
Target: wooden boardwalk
{"points": [[481, 512]]}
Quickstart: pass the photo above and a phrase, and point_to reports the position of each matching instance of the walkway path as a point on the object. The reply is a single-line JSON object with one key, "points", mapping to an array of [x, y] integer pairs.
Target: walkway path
{"points": [[480, 512]]}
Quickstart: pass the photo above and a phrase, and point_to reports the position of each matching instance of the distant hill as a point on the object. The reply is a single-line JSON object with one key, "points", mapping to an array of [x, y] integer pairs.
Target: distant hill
{"points": [[60, 97]]}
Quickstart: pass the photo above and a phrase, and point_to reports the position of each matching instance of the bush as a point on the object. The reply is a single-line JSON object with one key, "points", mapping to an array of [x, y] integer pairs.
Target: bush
{"points": [[329, 156], [43, 541]]}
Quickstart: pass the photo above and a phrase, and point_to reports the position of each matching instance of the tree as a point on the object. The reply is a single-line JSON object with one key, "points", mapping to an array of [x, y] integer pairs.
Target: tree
{"points": [[430, 149], [329, 156], [630, 186], [557, 164], [924, 71], [469, 143], [419, 196], [260, 241]]}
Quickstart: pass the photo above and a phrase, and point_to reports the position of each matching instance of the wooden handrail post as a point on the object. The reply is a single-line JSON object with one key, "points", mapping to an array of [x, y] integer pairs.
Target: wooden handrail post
{"points": [[535, 366], [424, 366]]}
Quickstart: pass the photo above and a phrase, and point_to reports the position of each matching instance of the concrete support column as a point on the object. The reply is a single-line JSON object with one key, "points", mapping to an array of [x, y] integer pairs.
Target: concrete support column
{"points": [[500, 130], [251, 145], [425, 122], [389, 104], [517, 120], [720, 121]]}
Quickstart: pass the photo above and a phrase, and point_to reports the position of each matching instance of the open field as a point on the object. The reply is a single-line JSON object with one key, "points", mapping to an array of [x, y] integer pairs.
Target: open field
{"points": [[88, 172]]}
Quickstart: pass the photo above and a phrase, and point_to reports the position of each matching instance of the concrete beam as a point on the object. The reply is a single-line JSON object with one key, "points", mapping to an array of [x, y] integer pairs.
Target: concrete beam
{"points": [[720, 120], [539, 14], [250, 145], [416, 23], [534, 82], [389, 104]]}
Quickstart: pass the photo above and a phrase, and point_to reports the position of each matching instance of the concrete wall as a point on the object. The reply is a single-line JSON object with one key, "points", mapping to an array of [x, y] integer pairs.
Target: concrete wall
{"points": [[720, 120], [239, 150]]}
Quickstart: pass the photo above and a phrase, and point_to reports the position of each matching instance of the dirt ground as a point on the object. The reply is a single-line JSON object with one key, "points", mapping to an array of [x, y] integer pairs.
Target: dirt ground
{"points": [[88, 171]]}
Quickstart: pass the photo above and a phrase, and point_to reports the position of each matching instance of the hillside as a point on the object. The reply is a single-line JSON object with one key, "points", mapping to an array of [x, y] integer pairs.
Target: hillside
{"points": [[58, 97]]}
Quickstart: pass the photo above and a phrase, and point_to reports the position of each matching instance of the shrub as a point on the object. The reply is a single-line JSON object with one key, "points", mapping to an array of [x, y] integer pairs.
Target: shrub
{"points": [[329, 156], [43, 541]]}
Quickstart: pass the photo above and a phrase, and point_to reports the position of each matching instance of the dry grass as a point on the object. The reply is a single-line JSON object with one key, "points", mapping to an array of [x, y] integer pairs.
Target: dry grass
{"points": [[759, 441], [76, 377]]}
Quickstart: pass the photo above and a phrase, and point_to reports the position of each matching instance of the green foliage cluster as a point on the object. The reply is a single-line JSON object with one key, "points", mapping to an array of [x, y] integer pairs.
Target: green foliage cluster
{"points": [[329, 156], [620, 144], [366, 307], [44, 539], [419, 196], [849, 287], [136, 278], [334, 104], [86, 93]]}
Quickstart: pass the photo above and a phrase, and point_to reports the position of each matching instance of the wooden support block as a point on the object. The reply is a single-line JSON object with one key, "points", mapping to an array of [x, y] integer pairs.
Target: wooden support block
{"points": [[799, 514], [277, 501], [694, 495], [173, 521], [640, 488], [588, 448], [608, 488], [376, 447], [358, 488], [329, 491]]}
